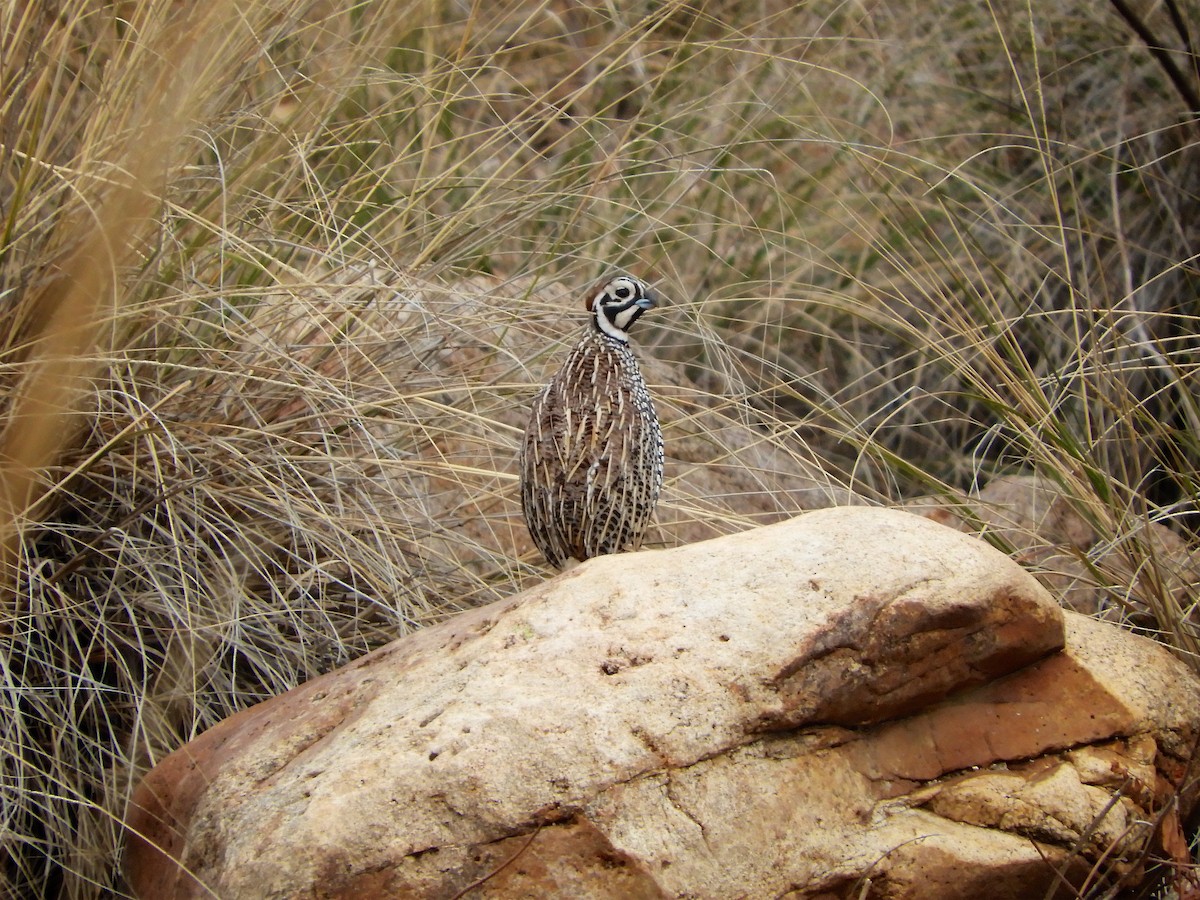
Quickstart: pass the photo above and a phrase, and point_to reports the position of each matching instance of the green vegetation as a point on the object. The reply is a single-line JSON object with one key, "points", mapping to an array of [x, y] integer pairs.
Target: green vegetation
{"points": [[260, 264]]}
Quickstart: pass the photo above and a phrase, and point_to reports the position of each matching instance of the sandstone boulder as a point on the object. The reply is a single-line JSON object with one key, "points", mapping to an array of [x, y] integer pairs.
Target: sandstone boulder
{"points": [[854, 703]]}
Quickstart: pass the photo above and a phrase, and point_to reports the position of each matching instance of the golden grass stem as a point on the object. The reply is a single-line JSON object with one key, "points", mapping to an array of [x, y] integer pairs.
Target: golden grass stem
{"points": [[79, 313]]}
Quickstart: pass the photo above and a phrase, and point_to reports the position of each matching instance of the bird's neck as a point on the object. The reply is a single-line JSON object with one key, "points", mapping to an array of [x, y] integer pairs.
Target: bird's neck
{"points": [[602, 325]]}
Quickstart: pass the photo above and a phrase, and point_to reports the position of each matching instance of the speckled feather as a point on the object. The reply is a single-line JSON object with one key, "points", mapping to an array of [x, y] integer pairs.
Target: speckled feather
{"points": [[592, 459]]}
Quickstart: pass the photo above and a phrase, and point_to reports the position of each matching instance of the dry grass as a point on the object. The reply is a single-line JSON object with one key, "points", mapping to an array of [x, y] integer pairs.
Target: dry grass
{"points": [[278, 279]]}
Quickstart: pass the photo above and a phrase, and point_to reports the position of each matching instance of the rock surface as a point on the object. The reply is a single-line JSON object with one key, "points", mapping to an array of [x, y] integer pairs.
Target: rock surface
{"points": [[798, 710]]}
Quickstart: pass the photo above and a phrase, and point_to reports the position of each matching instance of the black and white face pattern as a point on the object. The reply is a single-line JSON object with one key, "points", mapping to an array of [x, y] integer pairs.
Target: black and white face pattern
{"points": [[618, 304]]}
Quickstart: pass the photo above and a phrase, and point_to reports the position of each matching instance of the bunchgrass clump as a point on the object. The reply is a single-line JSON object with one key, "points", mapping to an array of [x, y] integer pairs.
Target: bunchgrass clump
{"points": [[278, 281]]}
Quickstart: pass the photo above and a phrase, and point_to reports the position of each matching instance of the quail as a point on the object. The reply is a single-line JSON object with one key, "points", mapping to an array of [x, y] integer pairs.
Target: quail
{"points": [[592, 457]]}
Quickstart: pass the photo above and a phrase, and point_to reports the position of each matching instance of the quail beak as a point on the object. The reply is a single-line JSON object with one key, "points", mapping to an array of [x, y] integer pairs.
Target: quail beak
{"points": [[651, 300]]}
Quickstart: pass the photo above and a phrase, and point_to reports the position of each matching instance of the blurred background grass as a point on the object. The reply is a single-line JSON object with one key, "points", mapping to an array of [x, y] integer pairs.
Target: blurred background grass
{"points": [[279, 279]]}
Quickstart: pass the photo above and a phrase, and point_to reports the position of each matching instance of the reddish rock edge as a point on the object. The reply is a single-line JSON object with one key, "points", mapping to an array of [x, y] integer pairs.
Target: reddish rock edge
{"points": [[673, 722]]}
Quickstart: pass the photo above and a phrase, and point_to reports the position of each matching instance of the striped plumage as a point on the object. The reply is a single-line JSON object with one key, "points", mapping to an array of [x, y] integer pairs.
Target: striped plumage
{"points": [[592, 459]]}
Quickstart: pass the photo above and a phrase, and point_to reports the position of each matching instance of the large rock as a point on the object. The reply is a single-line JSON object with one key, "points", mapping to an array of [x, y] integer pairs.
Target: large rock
{"points": [[854, 700]]}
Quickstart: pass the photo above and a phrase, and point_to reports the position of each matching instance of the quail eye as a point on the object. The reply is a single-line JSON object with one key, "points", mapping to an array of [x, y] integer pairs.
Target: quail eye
{"points": [[623, 291]]}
